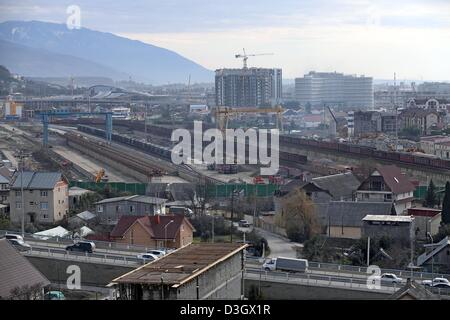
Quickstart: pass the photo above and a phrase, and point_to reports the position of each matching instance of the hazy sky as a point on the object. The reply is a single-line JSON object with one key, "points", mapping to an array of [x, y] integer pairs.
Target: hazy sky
{"points": [[376, 38]]}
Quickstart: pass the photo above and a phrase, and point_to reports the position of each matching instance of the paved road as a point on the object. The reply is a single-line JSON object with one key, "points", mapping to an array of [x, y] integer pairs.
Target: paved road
{"points": [[279, 246]]}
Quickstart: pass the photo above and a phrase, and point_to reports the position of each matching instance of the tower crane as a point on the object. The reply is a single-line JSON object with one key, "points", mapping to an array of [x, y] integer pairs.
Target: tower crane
{"points": [[245, 56]]}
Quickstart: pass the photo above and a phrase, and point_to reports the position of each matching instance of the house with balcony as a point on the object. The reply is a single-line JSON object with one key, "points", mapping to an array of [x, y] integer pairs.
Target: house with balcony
{"points": [[387, 184]]}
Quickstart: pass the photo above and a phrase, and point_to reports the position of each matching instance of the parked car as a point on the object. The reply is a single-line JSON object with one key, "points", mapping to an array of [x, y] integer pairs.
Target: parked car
{"points": [[147, 257], [13, 237], [442, 285], [389, 278], [435, 281], [54, 295], [82, 246], [20, 244], [244, 224], [157, 253]]}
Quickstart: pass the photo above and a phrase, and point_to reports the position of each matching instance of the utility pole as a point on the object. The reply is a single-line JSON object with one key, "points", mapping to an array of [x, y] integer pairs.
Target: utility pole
{"points": [[21, 164], [368, 251]]}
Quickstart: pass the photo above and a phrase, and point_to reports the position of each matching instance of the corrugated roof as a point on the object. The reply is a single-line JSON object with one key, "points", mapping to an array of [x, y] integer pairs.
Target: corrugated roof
{"points": [[86, 215], [388, 218], [182, 265], [3, 180], [351, 214], [134, 198], [37, 180], [16, 270]]}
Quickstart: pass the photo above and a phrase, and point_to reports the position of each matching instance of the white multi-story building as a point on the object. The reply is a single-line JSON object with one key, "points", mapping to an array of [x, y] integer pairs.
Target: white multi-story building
{"points": [[325, 88]]}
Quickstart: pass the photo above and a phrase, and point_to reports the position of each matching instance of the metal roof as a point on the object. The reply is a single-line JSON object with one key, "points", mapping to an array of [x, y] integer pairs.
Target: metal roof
{"points": [[341, 185], [16, 270], [3, 180], [37, 180], [351, 214], [388, 218], [182, 265], [134, 198]]}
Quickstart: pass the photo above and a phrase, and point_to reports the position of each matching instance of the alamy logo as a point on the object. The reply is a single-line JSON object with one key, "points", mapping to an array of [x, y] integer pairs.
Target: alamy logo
{"points": [[74, 19], [74, 280], [373, 280], [237, 140]]}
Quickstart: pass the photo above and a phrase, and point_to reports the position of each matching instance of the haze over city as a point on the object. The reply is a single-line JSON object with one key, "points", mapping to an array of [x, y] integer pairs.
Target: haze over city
{"points": [[375, 38]]}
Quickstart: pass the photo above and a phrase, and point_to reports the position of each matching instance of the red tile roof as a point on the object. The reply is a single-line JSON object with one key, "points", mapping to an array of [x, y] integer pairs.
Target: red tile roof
{"points": [[154, 225]]}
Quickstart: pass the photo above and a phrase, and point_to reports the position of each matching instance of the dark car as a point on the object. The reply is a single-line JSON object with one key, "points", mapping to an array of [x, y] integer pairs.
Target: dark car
{"points": [[81, 247]]}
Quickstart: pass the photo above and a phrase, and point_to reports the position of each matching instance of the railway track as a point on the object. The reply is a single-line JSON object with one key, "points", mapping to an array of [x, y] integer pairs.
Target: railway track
{"points": [[137, 163]]}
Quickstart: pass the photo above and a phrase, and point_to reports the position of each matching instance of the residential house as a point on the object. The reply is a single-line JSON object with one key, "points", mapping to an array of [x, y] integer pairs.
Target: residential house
{"points": [[388, 184], [111, 210], [343, 219], [436, 145], [394, 227], [75, 194], [4, 190], [45, 197], [436, 257], [82, 219], [168, 231], [17, 273], [436, 104], [423, 119], [413, 290], [426, 220], [341, 186]]}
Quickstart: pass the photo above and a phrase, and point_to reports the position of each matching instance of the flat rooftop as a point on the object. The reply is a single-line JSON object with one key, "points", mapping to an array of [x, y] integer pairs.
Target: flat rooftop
{"points": [[182, 265], [388, 218]]}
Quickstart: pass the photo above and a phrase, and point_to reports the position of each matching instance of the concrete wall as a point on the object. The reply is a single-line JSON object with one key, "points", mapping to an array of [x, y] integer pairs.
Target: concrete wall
{"points": [[345, 232], [220, 282], [286, 291], [91, 274]]}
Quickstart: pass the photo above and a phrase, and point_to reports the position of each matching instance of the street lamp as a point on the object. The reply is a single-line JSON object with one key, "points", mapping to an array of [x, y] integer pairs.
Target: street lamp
{"points": [[165, 234]]}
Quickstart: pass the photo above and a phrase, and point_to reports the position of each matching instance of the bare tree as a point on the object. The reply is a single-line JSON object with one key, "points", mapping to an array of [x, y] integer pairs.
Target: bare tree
{"points": [[298, 216]]}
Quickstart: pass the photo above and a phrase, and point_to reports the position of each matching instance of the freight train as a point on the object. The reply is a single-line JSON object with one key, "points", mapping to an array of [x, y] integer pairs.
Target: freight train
{"points": [[400, 157], [164, 152], [148, 147]]}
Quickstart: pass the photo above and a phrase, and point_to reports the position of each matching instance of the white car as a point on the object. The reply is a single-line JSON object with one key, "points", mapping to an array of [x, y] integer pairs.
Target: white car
{"points": [[435, 282], [11, 236], [20, 244], [157, 253], [147, 257], [389, 278]]}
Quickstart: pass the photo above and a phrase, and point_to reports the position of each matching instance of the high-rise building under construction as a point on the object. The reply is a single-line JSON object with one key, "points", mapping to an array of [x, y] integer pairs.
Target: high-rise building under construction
{"points": [[248, 87]]}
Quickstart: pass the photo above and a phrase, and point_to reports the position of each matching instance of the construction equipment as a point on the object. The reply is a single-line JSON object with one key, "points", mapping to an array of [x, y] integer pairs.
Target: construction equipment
{"points": [[245, 56], [100, 176], [222, 115]]}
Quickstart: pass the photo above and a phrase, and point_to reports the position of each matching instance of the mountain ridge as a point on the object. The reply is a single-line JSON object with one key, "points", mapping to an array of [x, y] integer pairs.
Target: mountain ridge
{"points": [[144, 62]]}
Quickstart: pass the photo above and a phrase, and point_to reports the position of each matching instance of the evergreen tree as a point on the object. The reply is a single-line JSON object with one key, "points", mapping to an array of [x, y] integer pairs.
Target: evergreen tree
{"points": [[430, 199], [446, 205]]}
